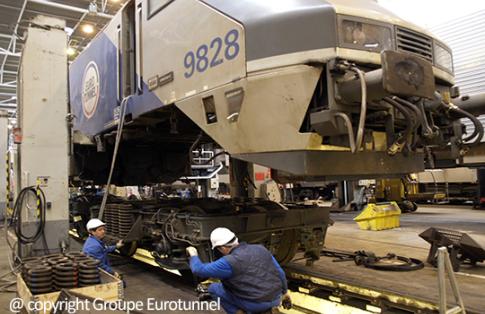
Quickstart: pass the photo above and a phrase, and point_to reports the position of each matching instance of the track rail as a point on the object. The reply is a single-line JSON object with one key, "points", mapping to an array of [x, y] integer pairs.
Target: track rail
{"points": [[315, 292]]}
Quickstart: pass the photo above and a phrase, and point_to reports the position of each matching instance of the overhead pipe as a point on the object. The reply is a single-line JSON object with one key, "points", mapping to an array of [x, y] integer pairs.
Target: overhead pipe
{"points": [[70, 8], [9, 53], [8, 86], [12, 40], [6, 36]]}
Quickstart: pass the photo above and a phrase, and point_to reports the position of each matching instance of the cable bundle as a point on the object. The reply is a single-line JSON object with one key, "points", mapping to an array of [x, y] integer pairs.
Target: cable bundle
{"points": [[17, 211]]}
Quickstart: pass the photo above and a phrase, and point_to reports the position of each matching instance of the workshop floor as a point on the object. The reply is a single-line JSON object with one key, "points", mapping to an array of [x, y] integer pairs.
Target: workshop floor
{"points": [[146, 281], [346, 235], [405, 241]]}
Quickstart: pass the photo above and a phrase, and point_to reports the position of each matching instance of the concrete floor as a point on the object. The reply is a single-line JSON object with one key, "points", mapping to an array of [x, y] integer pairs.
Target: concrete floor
{"points": [[146, 281], [346, 235], [422, 284], [5, 268]]}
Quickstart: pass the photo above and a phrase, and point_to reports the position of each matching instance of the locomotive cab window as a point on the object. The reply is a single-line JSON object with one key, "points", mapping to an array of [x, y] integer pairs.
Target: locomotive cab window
{"points": [[154, 6]]}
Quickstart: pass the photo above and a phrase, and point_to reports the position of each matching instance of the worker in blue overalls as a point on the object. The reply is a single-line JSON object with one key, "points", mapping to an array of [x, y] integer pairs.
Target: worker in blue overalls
{"points": [[95, 247], [252, 281]]}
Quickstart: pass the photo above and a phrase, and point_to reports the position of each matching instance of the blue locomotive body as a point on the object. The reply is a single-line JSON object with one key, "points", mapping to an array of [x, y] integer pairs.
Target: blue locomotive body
{"points": [[103, 54]]}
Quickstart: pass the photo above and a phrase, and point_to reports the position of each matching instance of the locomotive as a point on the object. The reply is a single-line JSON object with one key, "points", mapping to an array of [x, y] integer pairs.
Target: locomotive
{"points": [[313, 89]]}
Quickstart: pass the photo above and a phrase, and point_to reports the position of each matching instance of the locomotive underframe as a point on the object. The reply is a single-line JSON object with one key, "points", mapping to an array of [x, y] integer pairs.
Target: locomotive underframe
{"points": [[166, 228]]}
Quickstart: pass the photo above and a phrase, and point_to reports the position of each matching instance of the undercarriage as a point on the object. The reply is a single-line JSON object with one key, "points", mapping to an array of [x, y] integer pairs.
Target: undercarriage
{"points": [[166, 227]]}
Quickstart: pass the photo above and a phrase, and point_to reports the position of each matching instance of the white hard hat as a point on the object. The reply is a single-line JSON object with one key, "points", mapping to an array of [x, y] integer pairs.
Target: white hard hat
{"points": [[94, 223], [221, 236]]}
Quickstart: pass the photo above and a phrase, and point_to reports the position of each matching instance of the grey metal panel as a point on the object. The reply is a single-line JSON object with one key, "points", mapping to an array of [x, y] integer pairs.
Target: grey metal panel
{"points": [[465, 37], [274, 28], [337, 163]]}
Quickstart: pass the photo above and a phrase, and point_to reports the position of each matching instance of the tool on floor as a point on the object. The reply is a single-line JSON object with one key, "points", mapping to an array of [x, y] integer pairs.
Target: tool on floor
{"points": [[390, 262], [445, 266], [461, 247]]}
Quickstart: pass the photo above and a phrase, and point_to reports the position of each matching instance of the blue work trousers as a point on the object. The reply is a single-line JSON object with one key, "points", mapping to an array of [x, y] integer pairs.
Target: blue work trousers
{"points": [[231, 303]]}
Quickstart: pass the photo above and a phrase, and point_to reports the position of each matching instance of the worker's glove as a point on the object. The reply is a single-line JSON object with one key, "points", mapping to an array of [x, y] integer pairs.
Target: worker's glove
{"points": [[119, 244], [286, 301], [118, 275], [191, 251]]}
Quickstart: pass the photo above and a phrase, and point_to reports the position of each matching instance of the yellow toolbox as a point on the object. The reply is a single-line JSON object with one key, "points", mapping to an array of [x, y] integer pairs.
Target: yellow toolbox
{"points": [[379, 216]]}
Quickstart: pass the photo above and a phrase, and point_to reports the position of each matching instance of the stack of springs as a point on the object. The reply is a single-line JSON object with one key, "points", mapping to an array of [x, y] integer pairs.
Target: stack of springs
{"points": [[37, 274], [119, 219], [54, 272]]}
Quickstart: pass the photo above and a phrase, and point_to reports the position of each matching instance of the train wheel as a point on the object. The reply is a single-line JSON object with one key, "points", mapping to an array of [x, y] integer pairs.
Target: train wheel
{"points": [[288, 245], [128, 249]]}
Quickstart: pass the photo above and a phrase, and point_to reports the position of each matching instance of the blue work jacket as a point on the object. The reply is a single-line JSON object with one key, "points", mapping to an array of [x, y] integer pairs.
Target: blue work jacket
{"points": [[96, 248]]}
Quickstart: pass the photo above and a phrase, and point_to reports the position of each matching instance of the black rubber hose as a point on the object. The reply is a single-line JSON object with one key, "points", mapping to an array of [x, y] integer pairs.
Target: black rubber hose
{"points": [[17, 213], [414, 108], [478, 125], [409, 264], [407, 115], [417, 113]]}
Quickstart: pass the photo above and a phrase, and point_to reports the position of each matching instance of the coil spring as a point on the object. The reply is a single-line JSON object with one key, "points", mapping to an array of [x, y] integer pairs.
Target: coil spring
{"points": [[37, 274], [66, 275], [119, 219], [88, 273]]}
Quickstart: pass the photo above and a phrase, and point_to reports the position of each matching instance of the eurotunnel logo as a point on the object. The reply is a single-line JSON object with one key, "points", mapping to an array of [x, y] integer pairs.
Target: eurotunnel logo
{"points": [[90, 89]]}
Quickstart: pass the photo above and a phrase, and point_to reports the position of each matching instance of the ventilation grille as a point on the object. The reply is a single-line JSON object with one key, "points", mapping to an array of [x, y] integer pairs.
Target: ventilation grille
{"points": [[413, 42]]}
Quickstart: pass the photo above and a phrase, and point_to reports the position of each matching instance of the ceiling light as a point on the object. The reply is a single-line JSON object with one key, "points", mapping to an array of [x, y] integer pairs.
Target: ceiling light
{"points": [[88, 28], [70, 51]]}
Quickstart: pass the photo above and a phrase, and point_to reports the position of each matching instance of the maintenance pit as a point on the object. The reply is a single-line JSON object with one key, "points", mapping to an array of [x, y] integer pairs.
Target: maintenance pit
{"points": [[416, 290], [355, 288]]}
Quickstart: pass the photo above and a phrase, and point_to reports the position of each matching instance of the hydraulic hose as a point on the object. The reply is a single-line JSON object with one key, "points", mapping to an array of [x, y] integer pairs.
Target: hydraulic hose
{"points": [[399, 143], [363, 108], [478, 132], [414, 109], [416, 113], [429, 131], [348, 124], [17, 214], [119, 132]]}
